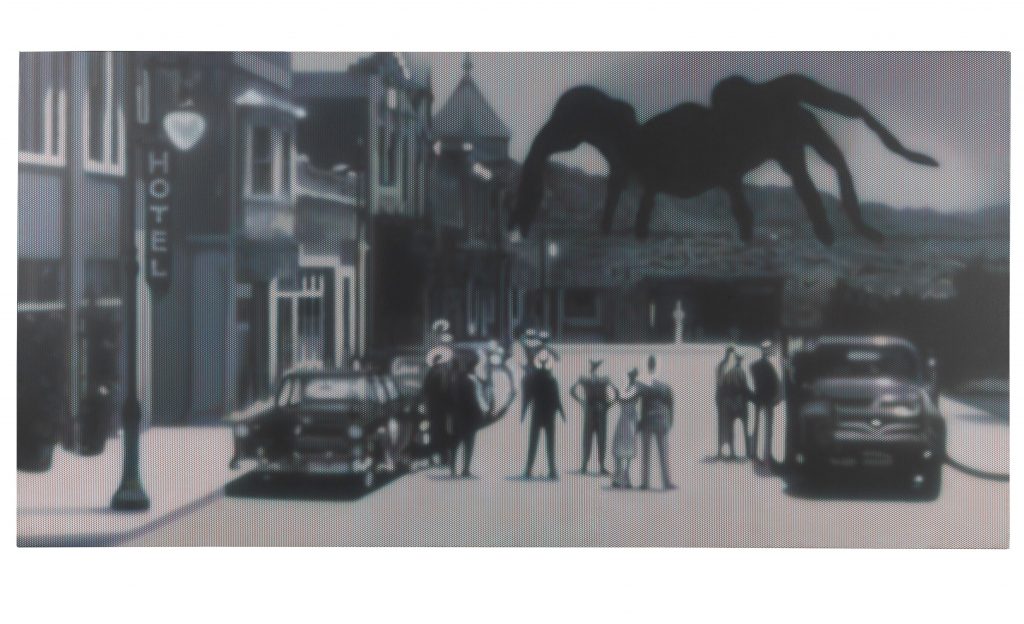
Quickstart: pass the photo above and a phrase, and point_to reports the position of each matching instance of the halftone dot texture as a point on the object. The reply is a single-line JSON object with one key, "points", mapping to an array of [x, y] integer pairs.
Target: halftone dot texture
{"points": [[610, 297]]}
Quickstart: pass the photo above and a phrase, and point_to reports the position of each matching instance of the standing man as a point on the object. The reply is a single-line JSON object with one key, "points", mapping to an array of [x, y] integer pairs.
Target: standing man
{"points": [[540, 390], [734, 394], [437, 390], [466, 416], [597, 396], [656, 409], [766, 395]]}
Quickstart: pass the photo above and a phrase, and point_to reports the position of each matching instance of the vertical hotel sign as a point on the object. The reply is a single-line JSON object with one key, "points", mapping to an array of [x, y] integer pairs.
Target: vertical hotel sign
{"points": [[157, 166]]}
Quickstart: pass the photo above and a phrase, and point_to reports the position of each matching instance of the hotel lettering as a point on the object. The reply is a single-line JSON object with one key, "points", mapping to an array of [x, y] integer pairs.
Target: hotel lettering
{"points": [[157, 179]]}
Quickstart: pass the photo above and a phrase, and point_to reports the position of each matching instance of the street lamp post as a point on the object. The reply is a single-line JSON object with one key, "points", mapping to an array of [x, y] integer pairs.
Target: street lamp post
{"points": [[184, 127]]}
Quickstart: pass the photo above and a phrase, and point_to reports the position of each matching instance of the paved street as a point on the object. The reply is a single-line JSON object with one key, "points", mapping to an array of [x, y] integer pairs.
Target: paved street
{"points": [[717, 504]]}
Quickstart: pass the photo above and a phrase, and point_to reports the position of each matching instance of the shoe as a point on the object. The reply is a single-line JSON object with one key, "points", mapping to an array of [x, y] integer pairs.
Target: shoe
{"points": [[644, 486], [553, 477], [604, 472], [467, 474], [527, 476], [669, 486]]}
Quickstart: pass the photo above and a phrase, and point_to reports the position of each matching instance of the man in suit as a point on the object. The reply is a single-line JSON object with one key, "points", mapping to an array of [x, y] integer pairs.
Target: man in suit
{"points": [[766, 395], [656, 416], [540, 392], [733, 395], [594, 393]]}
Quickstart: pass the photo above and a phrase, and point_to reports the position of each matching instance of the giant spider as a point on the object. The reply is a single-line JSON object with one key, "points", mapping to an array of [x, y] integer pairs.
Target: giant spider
{"points": [[692, 148]]}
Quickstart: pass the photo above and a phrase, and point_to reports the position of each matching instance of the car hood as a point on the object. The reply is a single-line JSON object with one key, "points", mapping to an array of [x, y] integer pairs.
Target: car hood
{"points": [[863, 389]]}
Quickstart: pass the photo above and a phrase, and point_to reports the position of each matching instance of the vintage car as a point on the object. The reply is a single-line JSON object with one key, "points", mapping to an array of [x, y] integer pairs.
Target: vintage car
{"points": [[328, 421], [865, 405]]}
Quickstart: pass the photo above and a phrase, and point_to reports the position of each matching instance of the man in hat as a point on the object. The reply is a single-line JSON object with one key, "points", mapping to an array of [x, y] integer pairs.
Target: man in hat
{"points": [[595, 394], [438, 390], [540, 391], [766, 395], [733, 395], [656, 416]]}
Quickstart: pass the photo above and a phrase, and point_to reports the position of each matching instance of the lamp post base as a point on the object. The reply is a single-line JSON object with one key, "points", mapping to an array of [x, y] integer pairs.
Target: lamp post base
{"points": [[130, 497]]}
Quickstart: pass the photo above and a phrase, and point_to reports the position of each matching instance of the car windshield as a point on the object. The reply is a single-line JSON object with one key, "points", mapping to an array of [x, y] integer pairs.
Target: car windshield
{"points": [[857, 361], [336, 389]]}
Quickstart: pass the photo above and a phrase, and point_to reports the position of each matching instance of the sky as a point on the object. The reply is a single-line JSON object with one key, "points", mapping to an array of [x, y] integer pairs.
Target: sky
{"points": [[954, 106]]}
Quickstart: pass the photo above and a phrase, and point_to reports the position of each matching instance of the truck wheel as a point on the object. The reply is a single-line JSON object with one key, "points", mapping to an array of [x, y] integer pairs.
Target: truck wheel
{"points": [[932, 486]]}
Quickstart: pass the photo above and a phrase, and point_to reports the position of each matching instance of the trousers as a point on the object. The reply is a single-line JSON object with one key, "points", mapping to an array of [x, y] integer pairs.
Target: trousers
{"points": [[549, 433], [595, 430], [645, 456], [767, 412]]}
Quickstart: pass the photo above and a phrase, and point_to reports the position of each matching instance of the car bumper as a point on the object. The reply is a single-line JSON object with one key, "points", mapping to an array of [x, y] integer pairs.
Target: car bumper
{"points": [[867, 454], [303, 465]]}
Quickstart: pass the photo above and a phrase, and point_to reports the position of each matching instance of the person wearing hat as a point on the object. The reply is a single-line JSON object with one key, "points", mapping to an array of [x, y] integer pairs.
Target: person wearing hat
{"points": [[541, 393], [734, 393], [766, 396], [656, 407], [438, 386], [595, 394], [624, 440]]}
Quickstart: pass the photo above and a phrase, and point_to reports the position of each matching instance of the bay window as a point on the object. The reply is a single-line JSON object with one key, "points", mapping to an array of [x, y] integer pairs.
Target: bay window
{"points": [[269, 162]]}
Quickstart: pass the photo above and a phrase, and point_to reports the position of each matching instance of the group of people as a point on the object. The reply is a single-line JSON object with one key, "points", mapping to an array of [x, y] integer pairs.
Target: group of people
{"points": [[646, 408], [455, 414], [733, 397]]}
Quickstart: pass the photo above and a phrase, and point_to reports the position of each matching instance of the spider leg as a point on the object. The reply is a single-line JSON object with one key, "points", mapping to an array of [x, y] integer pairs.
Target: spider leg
{"points": [[741, 211], [795, 165], [830, 152], [617, 177], [643, 214]]}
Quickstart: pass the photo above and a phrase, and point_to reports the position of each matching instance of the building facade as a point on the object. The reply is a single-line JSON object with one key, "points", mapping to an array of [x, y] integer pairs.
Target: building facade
{"points": [[206, 341], [71, 196], [373, 119], [469, 174]]}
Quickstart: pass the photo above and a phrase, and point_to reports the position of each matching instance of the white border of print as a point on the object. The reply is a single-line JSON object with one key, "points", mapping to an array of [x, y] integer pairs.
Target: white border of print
{"points": [[485, 585]]}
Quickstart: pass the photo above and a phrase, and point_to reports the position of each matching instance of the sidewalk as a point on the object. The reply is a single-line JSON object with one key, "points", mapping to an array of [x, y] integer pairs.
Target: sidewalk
{"points": [[182, 468]]}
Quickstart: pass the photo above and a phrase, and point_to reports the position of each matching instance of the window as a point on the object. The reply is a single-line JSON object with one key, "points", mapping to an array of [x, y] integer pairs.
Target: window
{"points": [[393, 160], [270, 163], [39, 280], [262, 161], [286, 164], [103, 116], [42, 105], [382, 156], [103, 277]]}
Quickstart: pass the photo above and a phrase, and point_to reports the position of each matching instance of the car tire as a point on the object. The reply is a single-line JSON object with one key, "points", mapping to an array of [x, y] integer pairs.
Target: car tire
{"points": [[932, 486]]}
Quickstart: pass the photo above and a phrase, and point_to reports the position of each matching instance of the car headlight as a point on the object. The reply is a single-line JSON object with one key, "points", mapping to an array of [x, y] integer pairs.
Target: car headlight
{"points": [[355, 432], [900, 407], [421, 408], [241, 430], [425, 426]]}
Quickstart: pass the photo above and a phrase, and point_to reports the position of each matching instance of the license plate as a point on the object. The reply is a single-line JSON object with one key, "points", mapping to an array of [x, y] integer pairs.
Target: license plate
{"points": [[876, 459]]}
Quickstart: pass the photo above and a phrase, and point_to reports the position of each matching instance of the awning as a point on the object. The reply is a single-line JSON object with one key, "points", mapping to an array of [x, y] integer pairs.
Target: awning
{"points": [[261, 99]]}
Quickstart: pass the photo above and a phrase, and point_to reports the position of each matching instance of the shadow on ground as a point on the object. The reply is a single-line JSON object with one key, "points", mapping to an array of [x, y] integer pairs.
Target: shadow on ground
{"points": [[992, 408], [853, 490], [305, 487]]}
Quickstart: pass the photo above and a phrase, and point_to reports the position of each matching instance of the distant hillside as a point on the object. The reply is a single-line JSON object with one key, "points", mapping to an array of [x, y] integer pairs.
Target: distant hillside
{"points": [[573, 202], [923, 250]]}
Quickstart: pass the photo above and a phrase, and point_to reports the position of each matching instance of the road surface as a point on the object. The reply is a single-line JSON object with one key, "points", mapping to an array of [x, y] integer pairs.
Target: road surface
{"points": [[717, 504]]}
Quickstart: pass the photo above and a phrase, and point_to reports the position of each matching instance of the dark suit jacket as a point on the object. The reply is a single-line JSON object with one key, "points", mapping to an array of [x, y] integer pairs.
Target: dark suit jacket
{"points": [[540, 390], [766, 382]]}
